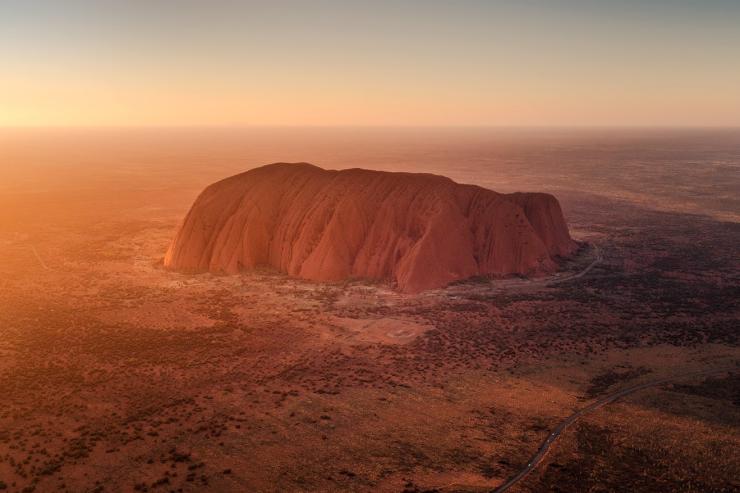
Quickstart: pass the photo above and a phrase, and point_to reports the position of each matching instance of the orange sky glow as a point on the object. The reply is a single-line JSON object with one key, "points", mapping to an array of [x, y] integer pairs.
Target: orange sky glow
{"points": [[561, 62]]}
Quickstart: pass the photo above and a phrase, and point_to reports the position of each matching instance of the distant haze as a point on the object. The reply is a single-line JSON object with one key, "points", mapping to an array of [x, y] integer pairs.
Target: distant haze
{"points": [[345, 62], [691, 171]]}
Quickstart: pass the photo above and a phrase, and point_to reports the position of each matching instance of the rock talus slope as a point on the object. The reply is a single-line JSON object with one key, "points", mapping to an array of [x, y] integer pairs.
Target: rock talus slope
{"points": [[419, 231]]}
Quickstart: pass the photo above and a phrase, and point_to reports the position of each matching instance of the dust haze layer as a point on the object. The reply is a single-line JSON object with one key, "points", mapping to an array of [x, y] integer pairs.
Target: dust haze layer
{"points": [[419, 231]]}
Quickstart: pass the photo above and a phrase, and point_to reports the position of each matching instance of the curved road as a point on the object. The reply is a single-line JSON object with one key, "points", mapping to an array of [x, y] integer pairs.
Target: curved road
{"points": [[550, 281], [599, 258], [608, 399]]}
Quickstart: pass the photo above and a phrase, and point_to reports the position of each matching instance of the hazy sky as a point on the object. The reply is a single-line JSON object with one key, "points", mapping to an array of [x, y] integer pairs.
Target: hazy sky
{"points": [[326, 62]]}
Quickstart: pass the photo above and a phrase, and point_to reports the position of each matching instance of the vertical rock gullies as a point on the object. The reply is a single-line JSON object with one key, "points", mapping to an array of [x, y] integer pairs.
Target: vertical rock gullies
{"points": [[419, 231]]}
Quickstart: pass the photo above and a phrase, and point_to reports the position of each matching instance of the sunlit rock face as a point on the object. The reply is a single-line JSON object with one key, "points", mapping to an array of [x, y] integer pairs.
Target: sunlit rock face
{"points": [[418, 231]]}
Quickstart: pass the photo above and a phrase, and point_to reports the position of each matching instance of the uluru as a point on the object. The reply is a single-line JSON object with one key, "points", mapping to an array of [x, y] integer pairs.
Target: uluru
{"points": [[416, 231]]}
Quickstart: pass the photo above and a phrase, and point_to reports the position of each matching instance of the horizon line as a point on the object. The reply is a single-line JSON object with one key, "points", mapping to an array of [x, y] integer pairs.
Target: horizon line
{"points": [[367, 126]]}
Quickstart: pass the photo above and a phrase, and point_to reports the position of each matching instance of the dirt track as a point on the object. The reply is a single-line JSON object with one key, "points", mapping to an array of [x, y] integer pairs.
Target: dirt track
{"points": [[608, 399]]}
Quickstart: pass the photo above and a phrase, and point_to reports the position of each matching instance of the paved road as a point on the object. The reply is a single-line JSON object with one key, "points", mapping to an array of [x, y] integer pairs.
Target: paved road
{"points": [[599, 258], [608, 399], [504, 285], [549, 281]]}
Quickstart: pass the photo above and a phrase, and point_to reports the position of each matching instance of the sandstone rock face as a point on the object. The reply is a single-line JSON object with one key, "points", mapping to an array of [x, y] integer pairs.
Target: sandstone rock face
{"points": [[419, 231]]}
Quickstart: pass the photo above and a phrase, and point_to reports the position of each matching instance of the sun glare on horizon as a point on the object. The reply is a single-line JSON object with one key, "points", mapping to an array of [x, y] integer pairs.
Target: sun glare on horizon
{"points": [[565, 62]]}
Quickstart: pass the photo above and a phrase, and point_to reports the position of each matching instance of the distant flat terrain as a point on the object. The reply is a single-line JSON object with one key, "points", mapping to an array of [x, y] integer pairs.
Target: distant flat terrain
{"points": [[118, 375]]}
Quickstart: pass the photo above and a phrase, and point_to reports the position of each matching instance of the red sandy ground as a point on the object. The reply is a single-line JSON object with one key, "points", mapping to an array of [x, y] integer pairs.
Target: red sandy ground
{"points": [[117, 375]]}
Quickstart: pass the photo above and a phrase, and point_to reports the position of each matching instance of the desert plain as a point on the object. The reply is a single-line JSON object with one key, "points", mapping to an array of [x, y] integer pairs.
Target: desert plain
{"points": [[117, 375]]}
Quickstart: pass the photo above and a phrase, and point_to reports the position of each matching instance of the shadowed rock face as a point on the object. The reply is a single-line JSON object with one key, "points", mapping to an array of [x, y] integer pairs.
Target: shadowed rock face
{"points": [[420, 231]]}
